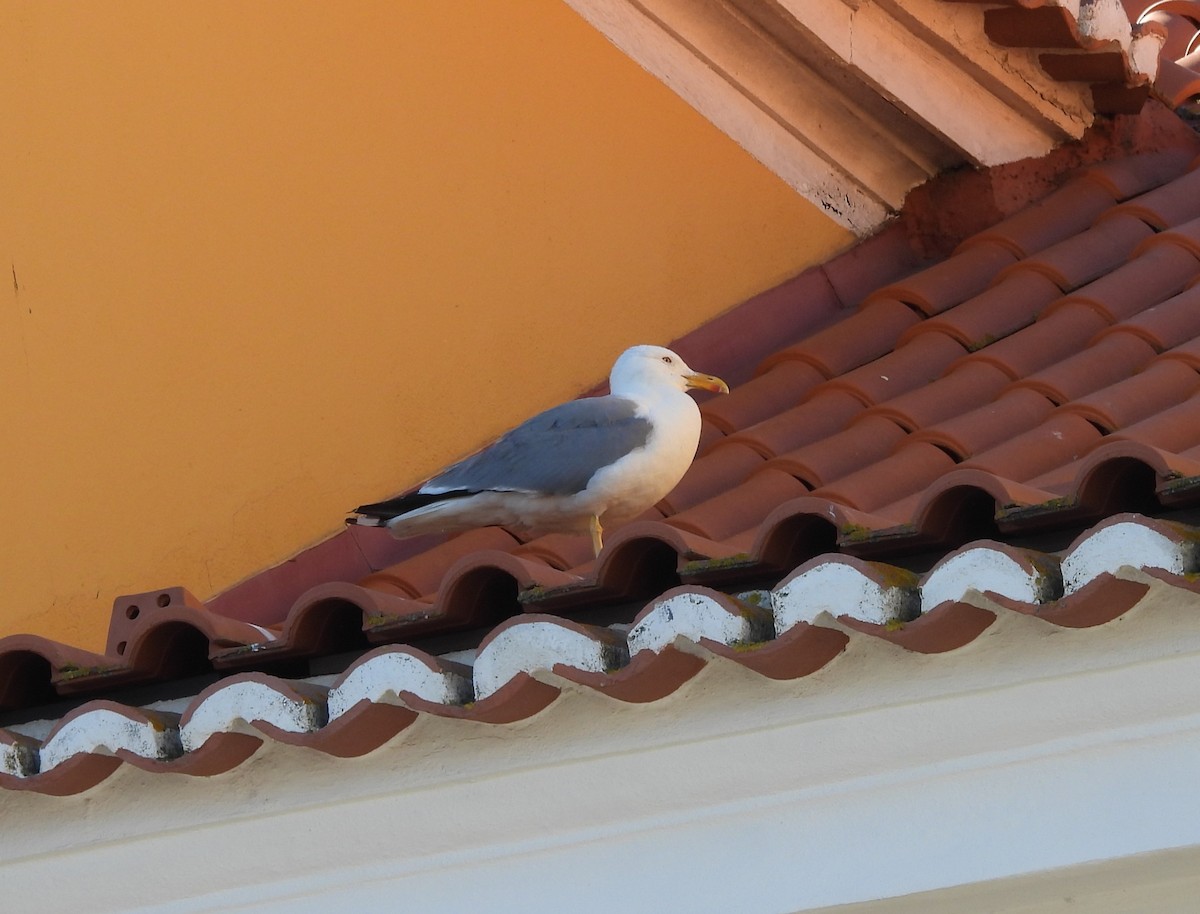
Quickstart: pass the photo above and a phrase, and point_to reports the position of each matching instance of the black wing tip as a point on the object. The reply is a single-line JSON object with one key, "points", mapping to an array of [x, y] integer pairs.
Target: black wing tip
{"points": [[377, 514]]}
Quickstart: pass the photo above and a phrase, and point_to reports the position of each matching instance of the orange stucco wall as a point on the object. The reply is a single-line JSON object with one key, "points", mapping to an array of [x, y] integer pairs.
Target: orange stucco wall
{"points": [[270, 260]]}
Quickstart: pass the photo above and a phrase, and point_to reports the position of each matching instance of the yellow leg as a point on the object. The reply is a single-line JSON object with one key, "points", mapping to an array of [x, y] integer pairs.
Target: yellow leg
{"points": [[597, 532]]}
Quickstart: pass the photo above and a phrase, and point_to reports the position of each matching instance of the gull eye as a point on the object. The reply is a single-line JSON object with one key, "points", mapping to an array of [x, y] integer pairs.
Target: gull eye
{"points": [[668, 359]]}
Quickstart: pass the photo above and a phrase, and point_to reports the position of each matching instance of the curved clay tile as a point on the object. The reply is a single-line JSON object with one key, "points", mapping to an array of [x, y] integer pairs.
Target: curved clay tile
{"points": [[1153, 276], [845, 586], [1177, 85], [1161, 385], [1134, 175], [541, 643], [994, 569], [1166, 325], [866, 334], [1178, 17], [827, 411], [866, 441], [1173, 203], [1062, 214], [969, 384], [1082, 258], [1110, 358], [1176, 429], [916, 360], [947, 628], [740, 508], [563, 551], [941, 508], [783, 385], [1059, 332], [1059, 440], [700, 617], [33, 670], [1012, 303], [1129, 540], [421, 574], [719, 470], [1016, 410], [957, 278], [1101, 600], [915, 465]]}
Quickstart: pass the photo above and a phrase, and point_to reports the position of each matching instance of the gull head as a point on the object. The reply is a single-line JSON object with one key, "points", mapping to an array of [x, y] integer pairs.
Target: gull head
{"points": [[653, 367]]}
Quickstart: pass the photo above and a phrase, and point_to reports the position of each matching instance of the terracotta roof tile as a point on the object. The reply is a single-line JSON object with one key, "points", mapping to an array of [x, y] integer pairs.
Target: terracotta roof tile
{"points": [[1168, 324], [1110, 358], [865, 334], [1081, 258], [1060, 331], [1165, 383], [1063, 214], [820, 610], [876, 434], [1154, 275], [950, 282], [968, 384], [864, 442], [1170, 204], [1012, 303], [911, 365], [1015, 411], [828, 410]]}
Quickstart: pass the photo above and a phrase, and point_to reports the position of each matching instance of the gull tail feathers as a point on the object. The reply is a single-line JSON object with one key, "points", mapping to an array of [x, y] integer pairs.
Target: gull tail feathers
{"points": [[382, 513]]}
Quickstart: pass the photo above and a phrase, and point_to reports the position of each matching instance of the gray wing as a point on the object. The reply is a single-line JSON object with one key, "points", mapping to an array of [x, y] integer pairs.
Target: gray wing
{"points": [[554, 453]]}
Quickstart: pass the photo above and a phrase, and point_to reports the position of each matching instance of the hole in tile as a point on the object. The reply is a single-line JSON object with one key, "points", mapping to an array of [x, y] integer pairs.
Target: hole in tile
{"points": [[164, 599], [132, 611], [121, 648]]}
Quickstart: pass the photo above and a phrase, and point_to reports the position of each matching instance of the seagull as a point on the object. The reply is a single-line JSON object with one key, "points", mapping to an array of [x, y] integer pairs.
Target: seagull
{"points": [[572, 468]]}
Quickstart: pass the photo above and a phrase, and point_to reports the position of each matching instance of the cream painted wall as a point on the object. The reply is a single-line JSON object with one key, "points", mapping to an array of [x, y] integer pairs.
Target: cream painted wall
{"points": [[268, 261]]}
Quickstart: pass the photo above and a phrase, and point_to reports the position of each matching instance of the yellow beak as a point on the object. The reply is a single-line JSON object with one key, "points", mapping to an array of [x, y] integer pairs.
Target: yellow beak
{"points": [[699, 381]]}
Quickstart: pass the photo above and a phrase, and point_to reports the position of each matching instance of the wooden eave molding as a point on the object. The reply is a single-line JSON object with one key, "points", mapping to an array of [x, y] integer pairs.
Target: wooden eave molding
{"points": [[853, 102]]}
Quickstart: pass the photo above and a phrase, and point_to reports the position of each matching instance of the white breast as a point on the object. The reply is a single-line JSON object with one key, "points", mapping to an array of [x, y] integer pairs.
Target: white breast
{"points": [[642, 477]]}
